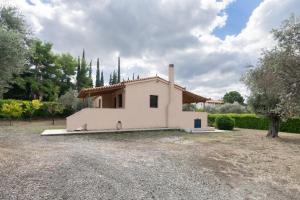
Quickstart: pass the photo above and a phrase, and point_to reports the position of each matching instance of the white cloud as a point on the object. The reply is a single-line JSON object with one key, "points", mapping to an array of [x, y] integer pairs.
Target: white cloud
{"points": [[151, 34]]}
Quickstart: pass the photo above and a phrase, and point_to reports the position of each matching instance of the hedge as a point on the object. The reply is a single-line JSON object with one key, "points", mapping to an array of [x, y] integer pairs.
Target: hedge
{"points": [[42, 112], [252, 121]]}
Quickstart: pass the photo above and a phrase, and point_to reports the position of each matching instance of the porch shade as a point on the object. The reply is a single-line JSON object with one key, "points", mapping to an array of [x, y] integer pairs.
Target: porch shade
{"points": [[189, 97], [90, 92]]}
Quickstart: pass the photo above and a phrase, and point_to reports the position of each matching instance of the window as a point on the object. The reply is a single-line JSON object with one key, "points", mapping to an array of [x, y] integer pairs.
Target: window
{"points": [[120, 100], [153, 101]]}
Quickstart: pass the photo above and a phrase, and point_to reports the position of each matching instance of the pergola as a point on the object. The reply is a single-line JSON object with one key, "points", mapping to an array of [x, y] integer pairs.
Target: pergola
{"points": [[189, 97]]}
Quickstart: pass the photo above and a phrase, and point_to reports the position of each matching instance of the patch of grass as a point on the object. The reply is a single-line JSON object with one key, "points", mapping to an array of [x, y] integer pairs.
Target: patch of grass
{"points": [[35, 127]]}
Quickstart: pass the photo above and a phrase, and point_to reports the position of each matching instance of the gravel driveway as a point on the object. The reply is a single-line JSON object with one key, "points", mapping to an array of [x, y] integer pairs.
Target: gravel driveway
{"points": [[148, 165]]}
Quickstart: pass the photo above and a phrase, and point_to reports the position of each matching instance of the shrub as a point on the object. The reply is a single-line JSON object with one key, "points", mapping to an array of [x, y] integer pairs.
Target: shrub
{"points": [[11, 110], [30, 107], [224, 123]]}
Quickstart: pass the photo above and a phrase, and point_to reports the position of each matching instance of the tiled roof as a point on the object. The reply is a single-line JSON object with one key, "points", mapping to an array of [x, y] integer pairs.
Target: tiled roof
{"points": [[189, 97]]}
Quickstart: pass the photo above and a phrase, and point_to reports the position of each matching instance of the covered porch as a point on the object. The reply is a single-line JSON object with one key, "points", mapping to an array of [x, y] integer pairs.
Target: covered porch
{"points": [[112, 96], [189, 98]]}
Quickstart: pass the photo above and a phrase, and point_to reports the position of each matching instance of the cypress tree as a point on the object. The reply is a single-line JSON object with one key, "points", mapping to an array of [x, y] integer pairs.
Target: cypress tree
{"points": [[102, 79], [110, 79], [133, 76], [90, 75], [90, 70], [119, 71], [98, 80], [78, 74], [83, 80], [114, 78]]}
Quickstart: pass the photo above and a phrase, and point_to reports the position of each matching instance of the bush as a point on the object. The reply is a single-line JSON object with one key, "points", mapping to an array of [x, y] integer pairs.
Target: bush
{"points": [[30, 109], [224, 123], [11, 110]]}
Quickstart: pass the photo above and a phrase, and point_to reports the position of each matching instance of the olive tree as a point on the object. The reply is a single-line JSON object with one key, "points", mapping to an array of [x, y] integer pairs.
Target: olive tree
{"points": [[274, 83], [14, 40]]}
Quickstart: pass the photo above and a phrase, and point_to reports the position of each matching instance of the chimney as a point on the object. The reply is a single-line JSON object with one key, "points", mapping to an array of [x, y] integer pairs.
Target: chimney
{"points": [[171, 96], [171, 74]]}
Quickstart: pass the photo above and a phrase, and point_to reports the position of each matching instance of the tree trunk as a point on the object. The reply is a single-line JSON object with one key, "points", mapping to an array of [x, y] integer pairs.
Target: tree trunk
{"points": [[273, 126], [10, 121], [52, 120]]}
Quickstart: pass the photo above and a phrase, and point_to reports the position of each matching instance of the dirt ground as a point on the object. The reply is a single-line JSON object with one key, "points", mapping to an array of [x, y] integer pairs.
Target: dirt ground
{"points": [[241, 164]]}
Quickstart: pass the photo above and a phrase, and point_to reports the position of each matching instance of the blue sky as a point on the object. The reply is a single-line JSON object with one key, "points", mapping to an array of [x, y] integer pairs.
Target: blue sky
{"points": [[238, 15]]}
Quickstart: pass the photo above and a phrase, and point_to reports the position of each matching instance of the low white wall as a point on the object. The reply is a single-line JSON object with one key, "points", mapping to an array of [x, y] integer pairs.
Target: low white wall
{"points": [[107, 118]]}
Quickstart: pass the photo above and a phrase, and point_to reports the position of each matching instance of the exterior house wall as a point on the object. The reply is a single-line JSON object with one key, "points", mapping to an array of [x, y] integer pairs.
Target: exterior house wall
{"points": [[136, 111]]}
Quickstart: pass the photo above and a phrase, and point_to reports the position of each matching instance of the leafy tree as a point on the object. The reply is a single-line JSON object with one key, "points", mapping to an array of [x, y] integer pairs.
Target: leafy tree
{"points": [[233, 96], [40, 78], [67, 65], [46, 73], [232, 108], [54, 108], [70, 101], [14, 39], [31, 107], [274, 84], [98, 78], [11, 110]]}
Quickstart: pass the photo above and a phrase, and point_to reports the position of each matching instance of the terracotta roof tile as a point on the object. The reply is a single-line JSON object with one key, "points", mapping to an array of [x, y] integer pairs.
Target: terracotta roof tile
{"points": [[189, 96]]}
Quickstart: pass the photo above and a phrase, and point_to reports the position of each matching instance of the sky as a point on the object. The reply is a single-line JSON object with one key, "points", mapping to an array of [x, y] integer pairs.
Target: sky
{"points": [[210, 42]]}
